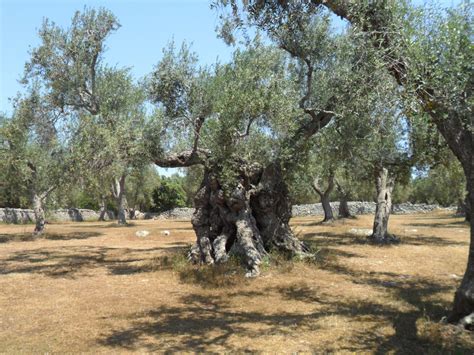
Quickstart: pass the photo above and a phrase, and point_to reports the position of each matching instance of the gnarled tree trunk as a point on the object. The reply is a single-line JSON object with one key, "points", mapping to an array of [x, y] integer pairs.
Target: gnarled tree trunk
{"points": [[384, 184], [118, 189], [250, 220], [324, 196], [38, 209]]}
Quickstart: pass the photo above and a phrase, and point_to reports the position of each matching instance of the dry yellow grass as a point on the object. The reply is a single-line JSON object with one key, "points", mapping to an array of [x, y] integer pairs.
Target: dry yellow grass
{"points": [[95, 287]]}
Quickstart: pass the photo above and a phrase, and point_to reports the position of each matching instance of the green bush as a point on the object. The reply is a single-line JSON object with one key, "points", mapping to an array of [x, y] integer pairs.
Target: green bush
{"points": [[168, 195]]}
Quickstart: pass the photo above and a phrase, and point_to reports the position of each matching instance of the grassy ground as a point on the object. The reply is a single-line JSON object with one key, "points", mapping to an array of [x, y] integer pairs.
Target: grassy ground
{"points": [[94, 287]]}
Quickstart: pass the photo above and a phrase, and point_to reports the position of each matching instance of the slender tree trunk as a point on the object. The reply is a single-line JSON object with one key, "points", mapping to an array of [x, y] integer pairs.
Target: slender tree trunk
{"points": [[344, 211], [103, 209], [250, 220], [119, 194], [463, 306], [39, 214], [326, 203], [324, 196], [384, 186]]}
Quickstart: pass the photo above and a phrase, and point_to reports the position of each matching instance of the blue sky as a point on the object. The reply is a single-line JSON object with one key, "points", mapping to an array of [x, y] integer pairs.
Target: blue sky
{"points": [[147, 26]]}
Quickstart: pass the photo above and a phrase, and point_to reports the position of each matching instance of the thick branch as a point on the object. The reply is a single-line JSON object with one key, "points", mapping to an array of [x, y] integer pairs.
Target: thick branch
{"points": [[182, 159]]}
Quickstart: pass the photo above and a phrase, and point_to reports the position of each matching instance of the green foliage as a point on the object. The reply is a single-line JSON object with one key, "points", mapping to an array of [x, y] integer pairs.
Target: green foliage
{"points": [[444, 185], [67, 59], [191, 182], [141, 185], [81, 199], [35, 160], [169, 194]]}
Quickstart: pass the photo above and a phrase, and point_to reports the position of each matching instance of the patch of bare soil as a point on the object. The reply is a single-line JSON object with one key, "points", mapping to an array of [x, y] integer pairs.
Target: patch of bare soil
{"points": [[96, 287]]}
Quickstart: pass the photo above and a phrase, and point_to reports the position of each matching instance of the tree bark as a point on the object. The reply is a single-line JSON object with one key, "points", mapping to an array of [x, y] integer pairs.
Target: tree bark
{"points": [[249, 221], [119, 194], [463, 305], [344, 211], [324, 196], [384, 184], [38, 209], [103, 209]]}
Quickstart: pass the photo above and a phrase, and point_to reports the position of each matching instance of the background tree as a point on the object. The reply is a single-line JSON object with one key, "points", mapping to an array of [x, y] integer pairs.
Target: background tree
{"points": [[107, 102], [112, 142], [34, 155]]}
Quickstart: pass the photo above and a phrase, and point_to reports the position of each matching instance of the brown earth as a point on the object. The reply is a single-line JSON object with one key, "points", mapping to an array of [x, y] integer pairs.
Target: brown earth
{"points": [[96, 287]]}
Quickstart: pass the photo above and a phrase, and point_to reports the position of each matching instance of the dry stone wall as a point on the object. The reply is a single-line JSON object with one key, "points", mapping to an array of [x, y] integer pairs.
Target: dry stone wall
{"points": [[15, 215], [20, 216]]}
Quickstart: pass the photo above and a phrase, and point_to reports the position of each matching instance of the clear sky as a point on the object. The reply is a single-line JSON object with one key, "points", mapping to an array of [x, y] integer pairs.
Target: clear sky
{"points": [[147, 26]]}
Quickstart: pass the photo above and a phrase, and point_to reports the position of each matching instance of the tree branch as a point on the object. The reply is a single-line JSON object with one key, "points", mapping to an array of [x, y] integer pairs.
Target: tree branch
{"points": [[183, 159]]}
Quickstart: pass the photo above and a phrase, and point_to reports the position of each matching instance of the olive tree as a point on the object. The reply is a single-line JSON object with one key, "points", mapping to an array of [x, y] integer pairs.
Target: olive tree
{"points": [[108, 104], [35, 156], [429, 54], [239, 118]]}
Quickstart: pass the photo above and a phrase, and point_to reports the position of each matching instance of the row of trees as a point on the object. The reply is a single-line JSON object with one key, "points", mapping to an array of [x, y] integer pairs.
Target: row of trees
{"points": [[306, 103]]}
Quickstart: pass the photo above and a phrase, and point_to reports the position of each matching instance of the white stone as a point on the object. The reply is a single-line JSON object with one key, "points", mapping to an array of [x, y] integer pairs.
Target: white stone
{"points": [[361, 231], [142, 233], [166, 233]]}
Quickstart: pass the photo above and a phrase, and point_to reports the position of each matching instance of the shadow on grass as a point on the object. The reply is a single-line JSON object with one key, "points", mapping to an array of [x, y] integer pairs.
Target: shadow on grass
{"points": [[71, 261], [209, 323], [201, 324], [415, 292], [457, 225], [430, 240], [328, 239], [335, 222], [28, 237]]}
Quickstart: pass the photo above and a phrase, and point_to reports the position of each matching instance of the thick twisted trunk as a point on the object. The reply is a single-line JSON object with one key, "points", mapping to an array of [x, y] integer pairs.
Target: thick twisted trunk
{"points": [[248, 221], [39, 214], [384, 184]]}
